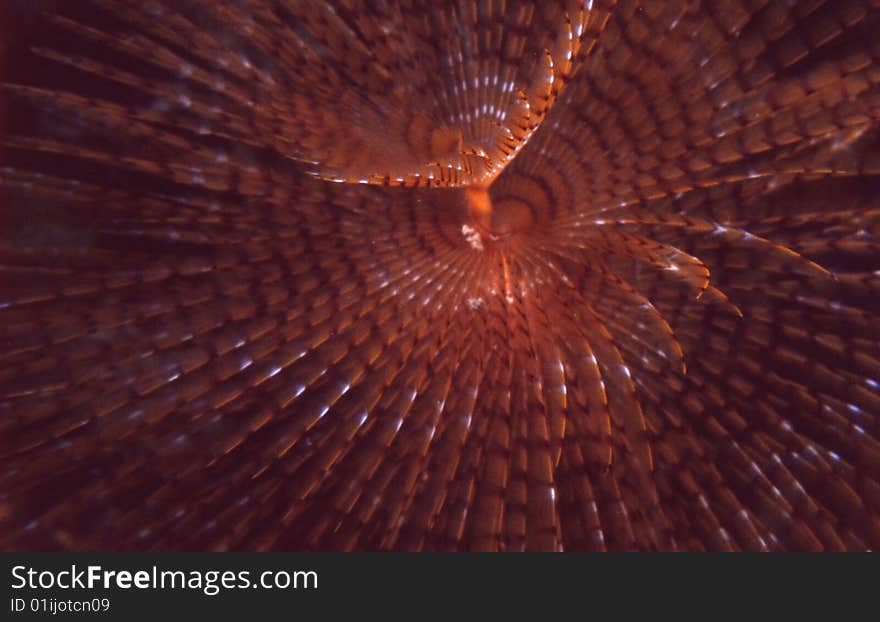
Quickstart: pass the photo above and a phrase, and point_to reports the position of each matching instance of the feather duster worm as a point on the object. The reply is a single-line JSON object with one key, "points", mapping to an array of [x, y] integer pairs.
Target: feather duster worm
{"points": [[491, 275]]}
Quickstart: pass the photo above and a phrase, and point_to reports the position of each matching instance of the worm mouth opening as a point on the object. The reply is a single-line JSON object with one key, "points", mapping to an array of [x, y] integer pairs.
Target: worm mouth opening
{"points": [[498, 218]]}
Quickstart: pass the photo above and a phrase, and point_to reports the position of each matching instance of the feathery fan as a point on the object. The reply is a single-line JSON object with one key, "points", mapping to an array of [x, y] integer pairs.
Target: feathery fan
{"points": [[495, 275]]}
